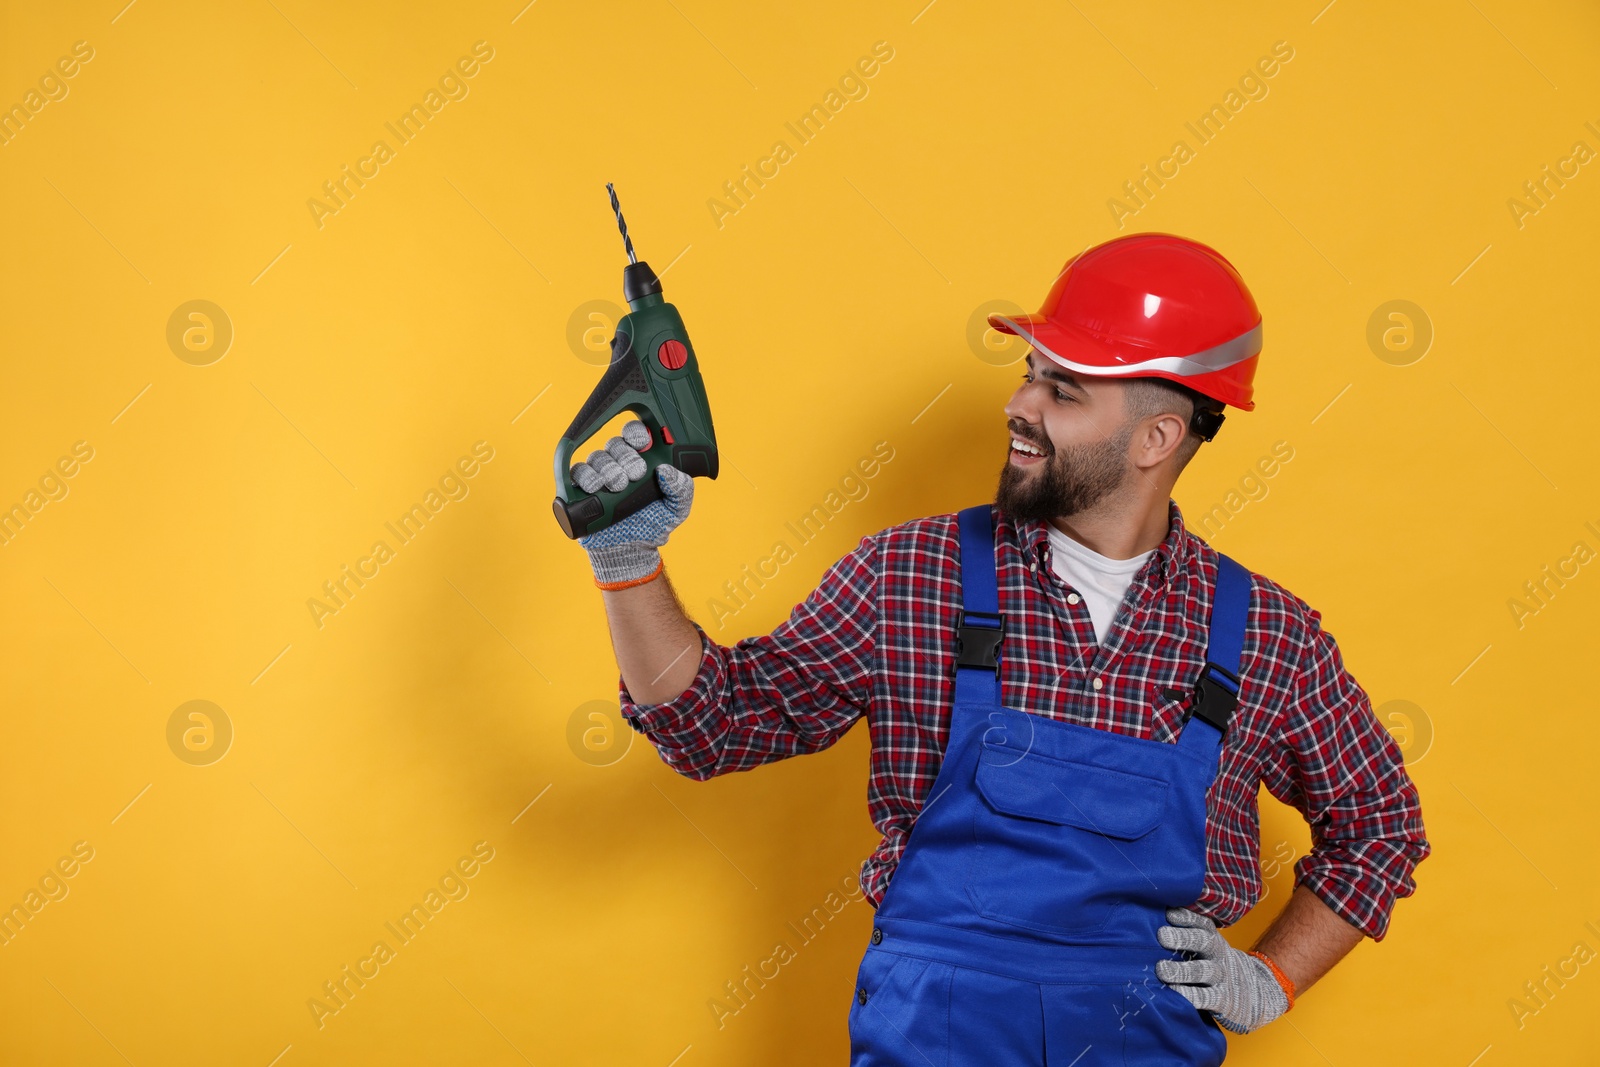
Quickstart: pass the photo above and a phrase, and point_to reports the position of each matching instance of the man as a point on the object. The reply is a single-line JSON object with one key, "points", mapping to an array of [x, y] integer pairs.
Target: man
{"points": [[1060, 858]]}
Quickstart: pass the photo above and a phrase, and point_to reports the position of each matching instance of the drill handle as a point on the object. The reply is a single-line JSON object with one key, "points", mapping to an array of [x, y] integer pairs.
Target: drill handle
{"points": [[624, 387]]}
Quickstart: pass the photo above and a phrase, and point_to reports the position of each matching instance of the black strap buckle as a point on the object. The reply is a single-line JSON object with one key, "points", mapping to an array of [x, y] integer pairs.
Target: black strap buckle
{"points": [[979, 645], [1216, 695], [1206, 423]]}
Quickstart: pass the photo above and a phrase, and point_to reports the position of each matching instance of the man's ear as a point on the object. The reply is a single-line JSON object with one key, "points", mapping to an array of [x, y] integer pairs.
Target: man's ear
{"points": [[1158, 437]]}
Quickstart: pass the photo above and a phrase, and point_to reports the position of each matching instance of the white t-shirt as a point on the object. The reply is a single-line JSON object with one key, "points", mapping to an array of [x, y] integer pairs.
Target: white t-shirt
{"points": [[1100, 580]]}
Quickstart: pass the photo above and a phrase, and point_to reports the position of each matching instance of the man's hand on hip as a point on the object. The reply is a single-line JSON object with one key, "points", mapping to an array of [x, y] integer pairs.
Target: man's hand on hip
{"points": [[1239, 989]]}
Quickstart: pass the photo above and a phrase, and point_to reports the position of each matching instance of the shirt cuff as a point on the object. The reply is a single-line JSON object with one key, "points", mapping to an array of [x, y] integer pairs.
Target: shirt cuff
{"points": [[1355, 895], [674, 726]]}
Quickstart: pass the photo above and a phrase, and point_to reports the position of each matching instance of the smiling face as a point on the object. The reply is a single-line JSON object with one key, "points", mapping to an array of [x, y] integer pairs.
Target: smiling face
{"points": [[1081, 426]]}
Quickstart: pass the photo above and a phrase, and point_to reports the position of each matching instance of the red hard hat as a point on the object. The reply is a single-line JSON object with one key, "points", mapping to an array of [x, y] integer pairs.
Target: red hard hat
{"points": [[1150, 305]]}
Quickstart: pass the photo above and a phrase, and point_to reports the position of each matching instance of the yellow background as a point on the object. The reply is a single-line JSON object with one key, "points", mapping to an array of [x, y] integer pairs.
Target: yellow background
{"points": [[829, 312]]}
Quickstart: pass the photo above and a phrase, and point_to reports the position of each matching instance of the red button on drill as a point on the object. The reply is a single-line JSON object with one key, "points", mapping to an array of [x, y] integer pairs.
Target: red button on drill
{"points": [[672, 354]]}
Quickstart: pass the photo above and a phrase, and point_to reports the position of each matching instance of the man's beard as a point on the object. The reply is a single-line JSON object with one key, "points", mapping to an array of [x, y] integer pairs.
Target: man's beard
{"points": [[1066, 482]]}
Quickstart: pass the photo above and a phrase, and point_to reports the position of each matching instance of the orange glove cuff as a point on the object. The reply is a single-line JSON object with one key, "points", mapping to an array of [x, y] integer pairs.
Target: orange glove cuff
{"points": [[1283, 979], [635, 581]]}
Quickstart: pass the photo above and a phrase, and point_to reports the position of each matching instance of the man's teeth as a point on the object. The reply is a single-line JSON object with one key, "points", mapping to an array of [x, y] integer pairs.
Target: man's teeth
{"points": [[1021, 446]]}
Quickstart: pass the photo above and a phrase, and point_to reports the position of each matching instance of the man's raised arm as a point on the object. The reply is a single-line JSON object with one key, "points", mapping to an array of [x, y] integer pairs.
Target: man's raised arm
{"points": [[711, 708], [656, 644]]}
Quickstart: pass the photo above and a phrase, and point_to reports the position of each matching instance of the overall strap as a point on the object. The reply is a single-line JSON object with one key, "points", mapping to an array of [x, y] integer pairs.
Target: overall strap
{"points": [[1217, 691], [981, 627]]}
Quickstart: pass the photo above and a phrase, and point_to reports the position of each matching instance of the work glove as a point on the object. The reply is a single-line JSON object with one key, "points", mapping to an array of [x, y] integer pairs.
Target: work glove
{"points": [[626, 553], [1239, 989]]}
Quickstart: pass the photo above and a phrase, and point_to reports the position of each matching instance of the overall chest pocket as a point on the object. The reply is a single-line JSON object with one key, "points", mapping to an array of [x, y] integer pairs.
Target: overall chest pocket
{"points": [[1058, 845]]}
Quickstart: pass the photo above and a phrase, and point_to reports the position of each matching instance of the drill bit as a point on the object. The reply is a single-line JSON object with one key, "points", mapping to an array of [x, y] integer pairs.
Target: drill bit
{"points": [[627, 242]]}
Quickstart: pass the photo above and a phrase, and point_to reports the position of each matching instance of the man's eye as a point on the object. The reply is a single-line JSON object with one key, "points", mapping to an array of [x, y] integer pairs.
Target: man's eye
{"points": [[1059, 394]]}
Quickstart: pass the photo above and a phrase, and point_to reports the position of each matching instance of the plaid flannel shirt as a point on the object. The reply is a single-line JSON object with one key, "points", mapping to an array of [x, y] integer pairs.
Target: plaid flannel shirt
{"points": [[876, 638]]}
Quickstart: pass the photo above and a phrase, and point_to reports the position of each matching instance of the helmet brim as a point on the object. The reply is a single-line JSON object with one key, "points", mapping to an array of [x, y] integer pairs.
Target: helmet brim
{"points": [[1221, 372]]}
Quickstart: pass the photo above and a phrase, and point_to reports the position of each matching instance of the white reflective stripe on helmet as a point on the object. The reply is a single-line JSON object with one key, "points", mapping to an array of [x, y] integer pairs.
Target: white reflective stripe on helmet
{"points": [[1216, 358]]}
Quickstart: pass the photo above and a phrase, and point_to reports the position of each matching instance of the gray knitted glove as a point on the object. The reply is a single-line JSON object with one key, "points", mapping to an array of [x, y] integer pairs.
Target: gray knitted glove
{"points": [[1237, 988], [626, 551]]}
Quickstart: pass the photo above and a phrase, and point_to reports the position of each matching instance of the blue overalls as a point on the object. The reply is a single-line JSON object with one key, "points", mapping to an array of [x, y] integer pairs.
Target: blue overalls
{"points": [[1019, 927]]}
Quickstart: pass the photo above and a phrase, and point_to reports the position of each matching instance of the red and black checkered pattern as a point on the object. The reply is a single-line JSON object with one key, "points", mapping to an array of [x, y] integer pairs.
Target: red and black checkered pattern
{"points": [[877, 636]]}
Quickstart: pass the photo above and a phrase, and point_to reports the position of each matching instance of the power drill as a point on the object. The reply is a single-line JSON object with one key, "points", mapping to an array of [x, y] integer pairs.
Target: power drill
{"points": [[654, 374]]}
